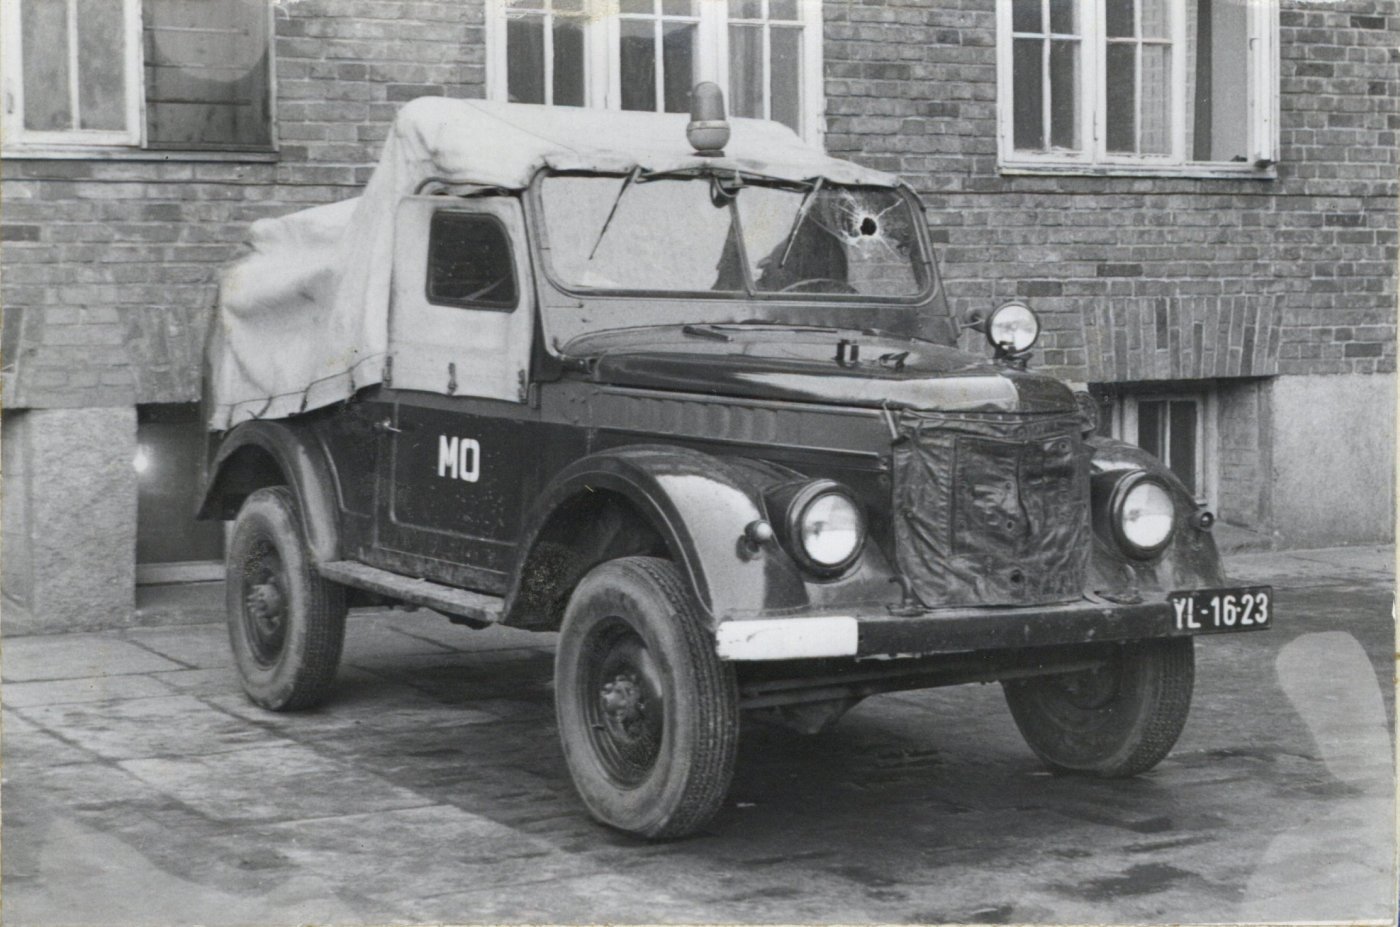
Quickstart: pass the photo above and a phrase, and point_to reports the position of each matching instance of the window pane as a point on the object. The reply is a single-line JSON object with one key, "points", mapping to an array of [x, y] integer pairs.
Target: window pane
{"points": [[1064, 94], [525, 59], [1121, 117], [1183, 442], [1150, 426], [44, 32], [526, 4], [746, 70], [678, 7], [170, 449], [1156, 99], [469, 262], [745, 9], [852, 240], [1155, 19], [782, 9], [638, 57], [1027, 91], [207, 81], [101, 70], [1221, 118], [1119, 18], [1025, 16], [1063, 18], [568, 61], [568, 6], [642, 7], [785, 69], [639, 251], [678, 64]]}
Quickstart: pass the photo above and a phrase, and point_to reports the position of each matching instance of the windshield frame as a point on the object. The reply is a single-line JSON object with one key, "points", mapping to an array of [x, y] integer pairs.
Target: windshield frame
{"points": [[921, 258]]}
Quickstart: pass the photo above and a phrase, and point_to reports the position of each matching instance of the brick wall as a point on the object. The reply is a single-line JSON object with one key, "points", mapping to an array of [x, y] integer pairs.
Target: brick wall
{"points": [[1145, 279], [110, 265]]}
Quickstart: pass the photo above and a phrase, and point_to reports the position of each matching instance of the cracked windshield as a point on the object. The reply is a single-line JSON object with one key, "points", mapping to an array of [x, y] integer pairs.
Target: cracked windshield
{"points": [[685, 234]]}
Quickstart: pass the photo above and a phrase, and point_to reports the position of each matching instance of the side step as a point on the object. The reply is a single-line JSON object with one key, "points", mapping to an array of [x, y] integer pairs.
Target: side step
{"points": [[446, 599]]}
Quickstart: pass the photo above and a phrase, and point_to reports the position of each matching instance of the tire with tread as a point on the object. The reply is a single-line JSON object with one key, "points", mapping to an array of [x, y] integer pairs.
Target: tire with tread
{"points": [[1115, 722], [286, 623], [648, 714]]}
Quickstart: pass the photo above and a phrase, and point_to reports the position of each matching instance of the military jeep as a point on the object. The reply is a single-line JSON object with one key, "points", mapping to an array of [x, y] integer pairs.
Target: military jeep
{"points": [[689, 394]]}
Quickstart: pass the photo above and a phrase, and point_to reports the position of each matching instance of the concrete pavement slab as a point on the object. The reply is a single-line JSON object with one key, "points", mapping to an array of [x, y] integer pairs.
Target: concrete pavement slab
{"points": [[76, 656], [30, 750], [361, 706], [217, 681], [278, 782], [199, 646], [92, 689], [165, 726], [1332, 566]]}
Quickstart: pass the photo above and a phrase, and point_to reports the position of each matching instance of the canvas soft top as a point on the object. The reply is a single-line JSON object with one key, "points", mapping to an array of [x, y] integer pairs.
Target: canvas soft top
{"points": [[303, 319]]}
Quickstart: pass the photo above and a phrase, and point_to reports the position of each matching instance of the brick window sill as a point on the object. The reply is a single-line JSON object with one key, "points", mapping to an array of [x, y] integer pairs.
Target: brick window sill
{"points": [[117, 153], [1180, 172]]}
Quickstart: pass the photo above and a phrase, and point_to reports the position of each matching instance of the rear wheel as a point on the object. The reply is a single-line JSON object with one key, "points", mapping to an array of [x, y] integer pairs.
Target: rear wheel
{"points": [[648, 713], [286, 624], [1115, 721]]}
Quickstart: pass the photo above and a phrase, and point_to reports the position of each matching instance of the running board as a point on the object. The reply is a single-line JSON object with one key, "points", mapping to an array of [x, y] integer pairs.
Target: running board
{"points": [[446, 599]]}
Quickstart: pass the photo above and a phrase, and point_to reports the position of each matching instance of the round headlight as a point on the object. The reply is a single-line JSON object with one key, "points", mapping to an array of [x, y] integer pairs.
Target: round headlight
{"points": [[1145, 516], [1013, 328], [827, 529]]}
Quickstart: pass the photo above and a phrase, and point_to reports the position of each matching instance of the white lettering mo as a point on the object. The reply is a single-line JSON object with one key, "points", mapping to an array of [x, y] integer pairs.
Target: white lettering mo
{"points": [[459, 458]]}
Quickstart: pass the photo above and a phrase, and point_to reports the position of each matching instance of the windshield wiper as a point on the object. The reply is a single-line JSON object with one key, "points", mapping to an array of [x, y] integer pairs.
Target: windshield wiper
{"points": [[631, 178], [797, 220]]}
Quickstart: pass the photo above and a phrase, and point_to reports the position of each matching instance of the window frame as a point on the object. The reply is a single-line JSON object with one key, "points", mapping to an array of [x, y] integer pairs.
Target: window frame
{"points": [[16, 134], [1093, 157], [1124, 427], [130, 144], [448, 214], [602, 56]]}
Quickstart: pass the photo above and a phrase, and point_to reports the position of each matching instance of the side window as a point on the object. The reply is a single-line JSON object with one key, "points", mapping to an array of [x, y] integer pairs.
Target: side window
{"points": [[469, 262]]}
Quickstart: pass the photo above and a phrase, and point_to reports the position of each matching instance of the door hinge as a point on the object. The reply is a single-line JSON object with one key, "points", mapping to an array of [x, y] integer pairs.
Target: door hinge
{"points": [[389, 370]]}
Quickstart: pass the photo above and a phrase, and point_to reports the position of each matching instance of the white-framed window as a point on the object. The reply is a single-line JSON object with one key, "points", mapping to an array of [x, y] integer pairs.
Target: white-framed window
{"points": [[1176, 427], [648, 54], [101, 74], [1138, 86]]}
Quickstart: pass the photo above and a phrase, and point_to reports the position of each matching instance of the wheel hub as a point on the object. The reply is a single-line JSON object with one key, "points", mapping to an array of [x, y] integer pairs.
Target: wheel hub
{"points": [[624, 704], [265, 603]]}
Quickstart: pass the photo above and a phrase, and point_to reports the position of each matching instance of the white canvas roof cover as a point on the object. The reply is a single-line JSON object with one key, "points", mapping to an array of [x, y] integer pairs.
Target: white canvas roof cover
{"points": [[303, 319]]}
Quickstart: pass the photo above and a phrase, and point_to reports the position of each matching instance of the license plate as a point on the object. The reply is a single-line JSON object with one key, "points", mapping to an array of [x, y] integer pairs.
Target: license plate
{"points": [[1204, 611]]}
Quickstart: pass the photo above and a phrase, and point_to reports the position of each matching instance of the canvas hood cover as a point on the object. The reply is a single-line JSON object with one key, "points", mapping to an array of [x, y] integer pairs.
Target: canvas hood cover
{"points": [[303, 319]]}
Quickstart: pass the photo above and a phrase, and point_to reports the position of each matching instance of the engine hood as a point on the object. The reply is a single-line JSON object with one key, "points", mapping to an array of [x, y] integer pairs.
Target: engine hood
{"points": [[806, 364]]}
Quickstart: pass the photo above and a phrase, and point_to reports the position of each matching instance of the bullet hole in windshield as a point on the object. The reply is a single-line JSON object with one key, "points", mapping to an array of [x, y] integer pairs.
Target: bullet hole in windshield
{"points": [[868, 226]]}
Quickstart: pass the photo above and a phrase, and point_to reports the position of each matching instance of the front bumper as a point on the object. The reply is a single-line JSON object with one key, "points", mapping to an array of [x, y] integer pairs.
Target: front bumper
{"points": [[883, 634]]}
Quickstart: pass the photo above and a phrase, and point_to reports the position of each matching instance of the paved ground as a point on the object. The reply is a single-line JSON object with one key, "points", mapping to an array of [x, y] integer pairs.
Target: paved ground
{"points": [[139, 787]]}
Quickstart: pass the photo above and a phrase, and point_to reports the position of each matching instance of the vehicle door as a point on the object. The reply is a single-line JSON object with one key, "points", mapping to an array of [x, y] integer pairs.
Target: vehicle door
{"points": [[460, 326]]}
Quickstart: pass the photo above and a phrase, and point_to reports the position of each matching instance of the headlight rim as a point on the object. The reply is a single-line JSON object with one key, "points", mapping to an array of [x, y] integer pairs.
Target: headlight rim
{"points": [[797, 508], [1011, 349], [1121, 488]]}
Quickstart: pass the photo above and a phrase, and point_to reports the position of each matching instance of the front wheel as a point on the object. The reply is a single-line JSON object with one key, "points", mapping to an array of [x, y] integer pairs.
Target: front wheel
{"points": [[1115, 721], [286, 623], [648, 713]]}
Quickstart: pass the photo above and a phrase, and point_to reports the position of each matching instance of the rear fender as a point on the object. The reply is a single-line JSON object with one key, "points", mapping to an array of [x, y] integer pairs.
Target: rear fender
{"points": [[257, 454]]}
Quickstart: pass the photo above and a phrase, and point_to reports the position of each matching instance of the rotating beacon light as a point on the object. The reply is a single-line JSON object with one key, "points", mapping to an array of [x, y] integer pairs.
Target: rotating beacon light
{"points": [[708, 130]]}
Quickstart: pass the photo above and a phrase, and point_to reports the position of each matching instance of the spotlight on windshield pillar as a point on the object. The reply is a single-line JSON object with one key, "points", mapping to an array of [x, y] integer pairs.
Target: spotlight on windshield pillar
{"points": [[708, 131]]}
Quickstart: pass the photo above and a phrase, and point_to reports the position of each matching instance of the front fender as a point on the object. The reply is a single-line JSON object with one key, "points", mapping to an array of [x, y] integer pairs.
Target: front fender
{"points": [[699, 505], [256, 454], [1191, 561]]}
